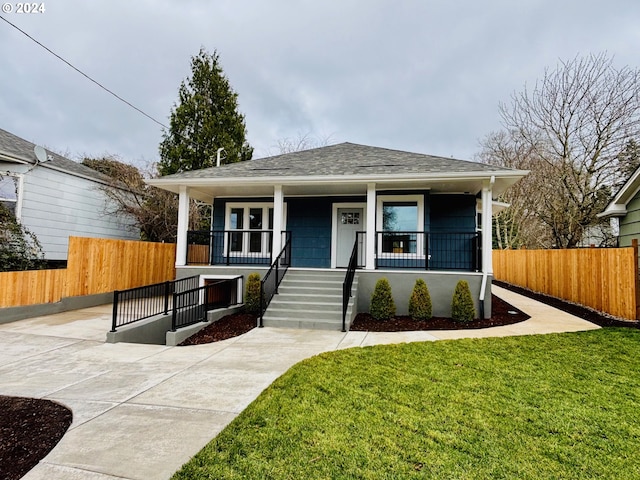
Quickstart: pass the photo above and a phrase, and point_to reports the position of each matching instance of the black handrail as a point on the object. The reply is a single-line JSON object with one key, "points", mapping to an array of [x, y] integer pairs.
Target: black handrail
{"points": [[191, 306], [135, 304], [429, 250], [229, 247], [348, 283], [269, 283]]}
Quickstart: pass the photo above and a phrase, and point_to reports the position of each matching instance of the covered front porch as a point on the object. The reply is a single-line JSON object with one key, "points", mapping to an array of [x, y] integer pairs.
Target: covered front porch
{"points": [[415, 229], [459, 251]]}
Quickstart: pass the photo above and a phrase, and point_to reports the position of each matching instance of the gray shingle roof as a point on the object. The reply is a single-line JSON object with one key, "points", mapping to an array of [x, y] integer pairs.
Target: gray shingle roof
{"points": [[341, 159], [15, 146]]}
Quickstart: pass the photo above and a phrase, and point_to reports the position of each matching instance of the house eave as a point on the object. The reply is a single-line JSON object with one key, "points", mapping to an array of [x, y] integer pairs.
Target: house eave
{"points": [[205, 187], [613, 211], [618, 205], [6, 157]]}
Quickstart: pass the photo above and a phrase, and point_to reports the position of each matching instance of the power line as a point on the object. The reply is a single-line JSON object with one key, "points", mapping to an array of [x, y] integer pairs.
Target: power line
{"points": [[85, 75]]}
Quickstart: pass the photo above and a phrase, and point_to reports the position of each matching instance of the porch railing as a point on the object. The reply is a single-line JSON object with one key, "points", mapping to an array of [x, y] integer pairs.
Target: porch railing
{"points": [[273, 277], [191, 306], [230, 247], [135, 304], [348, 282], [429, 250]]}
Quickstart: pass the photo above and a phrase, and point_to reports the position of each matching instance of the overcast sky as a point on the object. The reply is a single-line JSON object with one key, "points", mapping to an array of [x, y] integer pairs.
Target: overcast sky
{"points": [[423, 76]]}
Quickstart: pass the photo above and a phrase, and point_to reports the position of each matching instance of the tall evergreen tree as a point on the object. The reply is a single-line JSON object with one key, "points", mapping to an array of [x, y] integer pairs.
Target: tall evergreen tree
{"points": [[205, 119]]}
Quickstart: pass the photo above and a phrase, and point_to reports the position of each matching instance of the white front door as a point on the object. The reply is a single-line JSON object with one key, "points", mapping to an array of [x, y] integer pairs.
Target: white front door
{"points": [[349, 221]]}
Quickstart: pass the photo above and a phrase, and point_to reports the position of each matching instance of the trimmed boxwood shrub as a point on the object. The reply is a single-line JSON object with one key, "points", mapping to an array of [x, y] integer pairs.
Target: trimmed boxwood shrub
{"points": [[462, 309], [382, 304], [252, 295], [420, 307]]}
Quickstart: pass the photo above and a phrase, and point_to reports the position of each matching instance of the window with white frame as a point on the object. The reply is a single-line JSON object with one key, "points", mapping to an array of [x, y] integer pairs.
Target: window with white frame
{"points": [[400, 221], [9, 193], [254, 225]]}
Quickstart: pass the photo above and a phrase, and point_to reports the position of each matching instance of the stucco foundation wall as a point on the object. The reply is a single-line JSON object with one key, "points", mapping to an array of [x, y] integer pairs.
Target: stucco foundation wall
{"points": [[13, 314], [441, 286]]}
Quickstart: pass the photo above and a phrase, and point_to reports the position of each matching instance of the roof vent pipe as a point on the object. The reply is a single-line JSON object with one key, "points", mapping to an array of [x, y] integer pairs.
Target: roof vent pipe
{"points": [[218, 156]]}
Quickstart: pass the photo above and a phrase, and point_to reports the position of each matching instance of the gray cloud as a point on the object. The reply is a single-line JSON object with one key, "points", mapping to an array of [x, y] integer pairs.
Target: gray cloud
{"points": [[425, 76]]}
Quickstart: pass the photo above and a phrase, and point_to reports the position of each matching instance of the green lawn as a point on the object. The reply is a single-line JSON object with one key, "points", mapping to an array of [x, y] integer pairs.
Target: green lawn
{"points": [[535, 407]]}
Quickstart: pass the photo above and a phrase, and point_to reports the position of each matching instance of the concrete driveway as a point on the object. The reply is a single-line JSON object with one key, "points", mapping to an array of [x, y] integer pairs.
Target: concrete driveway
{"points": [[141, 411]]}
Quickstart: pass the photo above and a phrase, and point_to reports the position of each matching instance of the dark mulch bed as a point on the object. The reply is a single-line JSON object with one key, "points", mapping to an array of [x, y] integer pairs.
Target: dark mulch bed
{"points": [[227, 327], [29, 429], [593, 316], [501, 314]]}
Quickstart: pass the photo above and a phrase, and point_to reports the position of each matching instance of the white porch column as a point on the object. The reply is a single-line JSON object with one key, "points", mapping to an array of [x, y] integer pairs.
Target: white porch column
{"points": [[487, 229], [370, 235], [278, 218], [183, 225]]}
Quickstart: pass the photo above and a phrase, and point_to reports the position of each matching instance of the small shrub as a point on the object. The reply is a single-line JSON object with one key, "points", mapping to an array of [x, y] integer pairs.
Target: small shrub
{"points": [[462, 309], [420, 307], [252, 295], [382, 304]]}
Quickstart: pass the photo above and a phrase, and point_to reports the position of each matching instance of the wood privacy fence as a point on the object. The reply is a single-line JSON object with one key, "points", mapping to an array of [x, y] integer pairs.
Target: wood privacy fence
{"points": [[94, 265], [605, 279]]}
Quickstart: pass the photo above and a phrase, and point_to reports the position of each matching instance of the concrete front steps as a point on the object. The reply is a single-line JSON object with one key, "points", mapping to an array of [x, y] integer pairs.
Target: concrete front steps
{"points": [[310, 299]]}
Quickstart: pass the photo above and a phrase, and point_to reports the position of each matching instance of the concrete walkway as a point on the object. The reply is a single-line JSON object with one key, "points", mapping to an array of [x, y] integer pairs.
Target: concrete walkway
{"points": [[141, 411]]}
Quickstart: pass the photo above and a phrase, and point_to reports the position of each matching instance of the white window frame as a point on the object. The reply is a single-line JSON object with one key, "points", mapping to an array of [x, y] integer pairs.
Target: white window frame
{"points": [[419, 199], [247, 206], [19, 183]]}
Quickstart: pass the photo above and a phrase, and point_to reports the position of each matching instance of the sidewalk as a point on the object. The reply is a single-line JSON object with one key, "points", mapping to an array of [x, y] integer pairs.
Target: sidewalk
{"points": [[141, 411]]}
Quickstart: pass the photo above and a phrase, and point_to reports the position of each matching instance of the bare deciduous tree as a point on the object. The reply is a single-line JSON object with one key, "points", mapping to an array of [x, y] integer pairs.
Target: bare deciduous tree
{"points": [[299, 143], [154, 210], [519, 225], [576, 124]]}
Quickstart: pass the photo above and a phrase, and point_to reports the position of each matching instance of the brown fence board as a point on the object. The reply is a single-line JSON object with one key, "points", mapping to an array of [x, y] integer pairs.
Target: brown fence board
{"points": [[600, 278], [198, 254], [105, 265], [94, 265], [31, 287]]}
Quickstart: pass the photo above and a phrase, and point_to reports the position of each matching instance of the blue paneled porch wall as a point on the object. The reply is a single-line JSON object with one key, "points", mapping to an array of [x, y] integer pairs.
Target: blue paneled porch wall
{"points": [[452, 214], [309, 220]]}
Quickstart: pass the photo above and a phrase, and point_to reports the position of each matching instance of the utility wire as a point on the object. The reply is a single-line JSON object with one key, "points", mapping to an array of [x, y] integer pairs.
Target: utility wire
{"points": [[86, 76]]}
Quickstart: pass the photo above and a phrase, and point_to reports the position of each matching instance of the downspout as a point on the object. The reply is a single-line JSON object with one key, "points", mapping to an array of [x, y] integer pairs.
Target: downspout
{"points": [[483, 287], [485, 269]]}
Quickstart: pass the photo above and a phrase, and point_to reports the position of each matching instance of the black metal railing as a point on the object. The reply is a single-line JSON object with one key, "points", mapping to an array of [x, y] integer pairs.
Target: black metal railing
{"points": [[135, 304], [348, 282], [271, 280], [230, 247], [429, 250], [191, 306]]}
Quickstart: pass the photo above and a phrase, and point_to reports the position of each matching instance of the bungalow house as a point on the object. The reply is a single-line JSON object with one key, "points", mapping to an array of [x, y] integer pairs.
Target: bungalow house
{"points": [[55, 197], [625, 209], [390, 213]]}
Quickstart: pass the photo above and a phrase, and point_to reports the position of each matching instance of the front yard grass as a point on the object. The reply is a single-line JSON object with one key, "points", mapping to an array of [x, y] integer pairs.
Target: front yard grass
{"points": [[549, 406]]}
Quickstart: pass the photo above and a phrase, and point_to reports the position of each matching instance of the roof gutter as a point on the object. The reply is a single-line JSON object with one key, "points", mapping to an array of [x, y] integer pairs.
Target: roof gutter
{"points": [[13, 158], [333, 179]]}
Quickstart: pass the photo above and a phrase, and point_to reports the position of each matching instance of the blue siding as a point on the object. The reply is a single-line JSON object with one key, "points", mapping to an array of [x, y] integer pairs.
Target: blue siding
{"points": [[452, 214], [309, 221], [218, 213]]}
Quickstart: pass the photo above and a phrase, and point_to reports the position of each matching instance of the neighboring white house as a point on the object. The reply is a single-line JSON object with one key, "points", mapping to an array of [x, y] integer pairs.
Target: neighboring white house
{"points": [[55, 197], [624, 209]]}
